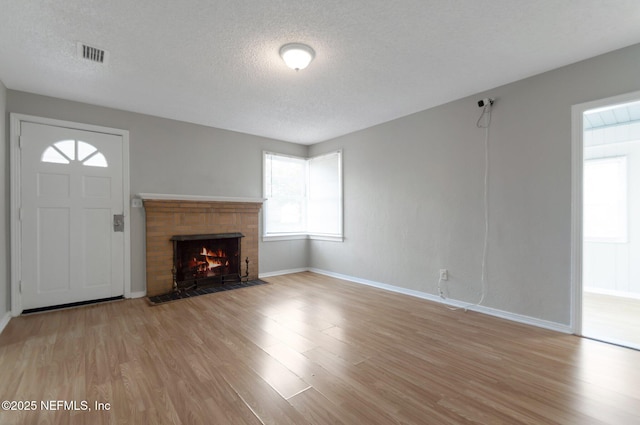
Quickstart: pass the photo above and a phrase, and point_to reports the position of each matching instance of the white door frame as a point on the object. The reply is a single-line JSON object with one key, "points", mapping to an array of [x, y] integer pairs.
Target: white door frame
{"points": [[14, 156], [576, 198]]}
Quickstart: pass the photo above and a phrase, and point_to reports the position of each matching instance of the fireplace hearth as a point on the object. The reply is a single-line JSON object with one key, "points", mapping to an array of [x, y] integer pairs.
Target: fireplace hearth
{"points": [[204, 260]]}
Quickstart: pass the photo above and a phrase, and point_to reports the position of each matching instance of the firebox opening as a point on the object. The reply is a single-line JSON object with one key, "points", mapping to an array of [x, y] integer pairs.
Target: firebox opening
{"points": [[201, 260]]}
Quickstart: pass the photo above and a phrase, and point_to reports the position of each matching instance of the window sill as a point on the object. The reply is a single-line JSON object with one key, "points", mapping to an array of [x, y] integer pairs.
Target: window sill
{"points": [[333, 238], [284, 237], [298, 236]]}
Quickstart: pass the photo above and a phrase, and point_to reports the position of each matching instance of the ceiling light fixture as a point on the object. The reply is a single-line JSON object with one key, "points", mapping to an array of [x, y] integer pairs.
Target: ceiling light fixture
{"points": [[296, 55]]}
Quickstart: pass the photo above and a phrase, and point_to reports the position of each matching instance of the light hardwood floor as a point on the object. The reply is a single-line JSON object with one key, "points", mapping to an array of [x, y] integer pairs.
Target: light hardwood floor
{"points": [[308, 349], [611, 318]]}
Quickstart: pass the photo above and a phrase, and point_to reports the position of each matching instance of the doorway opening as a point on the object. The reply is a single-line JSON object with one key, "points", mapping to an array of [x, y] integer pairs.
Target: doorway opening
{"points": [[606, 219]]}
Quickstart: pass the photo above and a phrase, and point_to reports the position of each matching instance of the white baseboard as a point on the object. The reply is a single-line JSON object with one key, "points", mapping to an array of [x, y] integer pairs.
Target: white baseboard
{"points": [[527, 320], [514, 317], [379, 285], [281, 272], [139, 294], [5, 321]]}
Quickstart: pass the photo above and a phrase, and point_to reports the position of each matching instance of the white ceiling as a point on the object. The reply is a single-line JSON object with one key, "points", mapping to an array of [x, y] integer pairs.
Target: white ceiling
{"points": [[216, 63], [612, 116]]}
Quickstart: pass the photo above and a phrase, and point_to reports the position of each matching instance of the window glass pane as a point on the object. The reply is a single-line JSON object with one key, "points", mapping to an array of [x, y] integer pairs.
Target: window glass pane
{"points": [[605, 200], [285, 215], [54, 156], [67, 147], [84, 150], [97, 160], [285, 180], [325, 194]]}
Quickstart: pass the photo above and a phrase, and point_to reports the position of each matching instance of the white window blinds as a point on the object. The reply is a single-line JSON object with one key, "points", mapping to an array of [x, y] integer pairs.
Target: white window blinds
{"points": [[304, 196]]}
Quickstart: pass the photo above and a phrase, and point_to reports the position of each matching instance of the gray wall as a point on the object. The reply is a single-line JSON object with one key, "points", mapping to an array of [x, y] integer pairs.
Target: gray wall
{"points": [[413, 191], [412, 187], [5, 295], [174, 157]]}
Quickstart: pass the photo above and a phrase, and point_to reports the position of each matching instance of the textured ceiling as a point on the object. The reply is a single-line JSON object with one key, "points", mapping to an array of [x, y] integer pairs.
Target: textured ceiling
{"points": [[216, 63]]}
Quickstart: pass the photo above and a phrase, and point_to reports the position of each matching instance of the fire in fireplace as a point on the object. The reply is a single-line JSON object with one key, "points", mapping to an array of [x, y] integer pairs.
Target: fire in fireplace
{"points": [[200, 260]]}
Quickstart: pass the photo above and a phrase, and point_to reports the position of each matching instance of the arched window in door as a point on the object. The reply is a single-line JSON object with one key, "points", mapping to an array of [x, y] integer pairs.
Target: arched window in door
{"points": [[68, 151]]}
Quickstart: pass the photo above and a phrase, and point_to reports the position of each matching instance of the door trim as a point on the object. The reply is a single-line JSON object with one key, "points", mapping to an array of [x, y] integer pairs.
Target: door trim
{"points": [[14, 156], [576, 198]]}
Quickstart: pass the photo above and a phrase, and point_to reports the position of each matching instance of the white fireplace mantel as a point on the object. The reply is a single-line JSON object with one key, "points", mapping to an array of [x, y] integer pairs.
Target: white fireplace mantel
{"points": [[173, 197]]}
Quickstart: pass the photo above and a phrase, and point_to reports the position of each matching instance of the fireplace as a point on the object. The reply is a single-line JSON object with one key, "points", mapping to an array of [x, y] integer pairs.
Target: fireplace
{"points": [[202, 260], [170, 215]]}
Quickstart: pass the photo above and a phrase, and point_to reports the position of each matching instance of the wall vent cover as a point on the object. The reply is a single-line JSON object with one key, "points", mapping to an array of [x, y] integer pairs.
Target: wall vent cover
{"points": [[93, 54]]}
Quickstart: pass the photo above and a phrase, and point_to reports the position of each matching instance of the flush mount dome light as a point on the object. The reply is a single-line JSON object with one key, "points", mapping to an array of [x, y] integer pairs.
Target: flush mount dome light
{"points": [[296, 55]]}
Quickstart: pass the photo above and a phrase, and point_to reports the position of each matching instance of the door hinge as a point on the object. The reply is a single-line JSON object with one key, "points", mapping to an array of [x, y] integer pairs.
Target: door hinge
{"points": [[20, 142], [20, 214], [20, 287]]}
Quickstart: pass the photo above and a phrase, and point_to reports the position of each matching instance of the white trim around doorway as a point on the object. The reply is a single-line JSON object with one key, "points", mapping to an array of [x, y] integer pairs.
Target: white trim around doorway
{"points": [[577, 132]]}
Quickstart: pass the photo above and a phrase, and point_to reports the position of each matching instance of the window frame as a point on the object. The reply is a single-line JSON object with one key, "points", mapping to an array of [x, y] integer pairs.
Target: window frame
{"points": [[306, 234]]}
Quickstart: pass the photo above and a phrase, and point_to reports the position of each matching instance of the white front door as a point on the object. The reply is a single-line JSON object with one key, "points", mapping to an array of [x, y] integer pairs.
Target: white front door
{"points": [[71, 186]]}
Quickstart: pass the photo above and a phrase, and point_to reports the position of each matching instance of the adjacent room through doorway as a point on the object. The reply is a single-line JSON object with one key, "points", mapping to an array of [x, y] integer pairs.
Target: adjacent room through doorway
{"points": [[610, 269]]}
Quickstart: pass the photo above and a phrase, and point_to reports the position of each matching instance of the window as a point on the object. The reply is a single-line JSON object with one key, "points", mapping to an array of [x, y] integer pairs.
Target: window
{"points": [[285, 190], [67, 151], [605, 200], [304, 197]]}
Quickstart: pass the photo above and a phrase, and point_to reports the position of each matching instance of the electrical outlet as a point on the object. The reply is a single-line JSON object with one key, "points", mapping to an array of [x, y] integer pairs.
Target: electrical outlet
{"points": [[444, 274]]}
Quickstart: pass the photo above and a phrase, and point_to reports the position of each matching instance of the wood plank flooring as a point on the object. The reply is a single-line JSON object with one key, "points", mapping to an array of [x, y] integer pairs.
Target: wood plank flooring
{"points": [[611, 318], [308, 349]]}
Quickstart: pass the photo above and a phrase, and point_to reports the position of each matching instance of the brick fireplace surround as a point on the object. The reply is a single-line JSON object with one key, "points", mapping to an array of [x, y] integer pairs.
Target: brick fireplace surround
{"points": [[168, 217]]}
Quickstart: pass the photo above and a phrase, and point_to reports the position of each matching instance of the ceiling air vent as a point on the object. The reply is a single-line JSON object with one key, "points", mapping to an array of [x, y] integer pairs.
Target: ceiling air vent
{"points": [[93, 54]]}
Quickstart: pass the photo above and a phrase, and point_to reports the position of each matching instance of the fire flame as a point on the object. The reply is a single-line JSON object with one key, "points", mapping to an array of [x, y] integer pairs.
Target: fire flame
{"points": [[213, 259]]}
